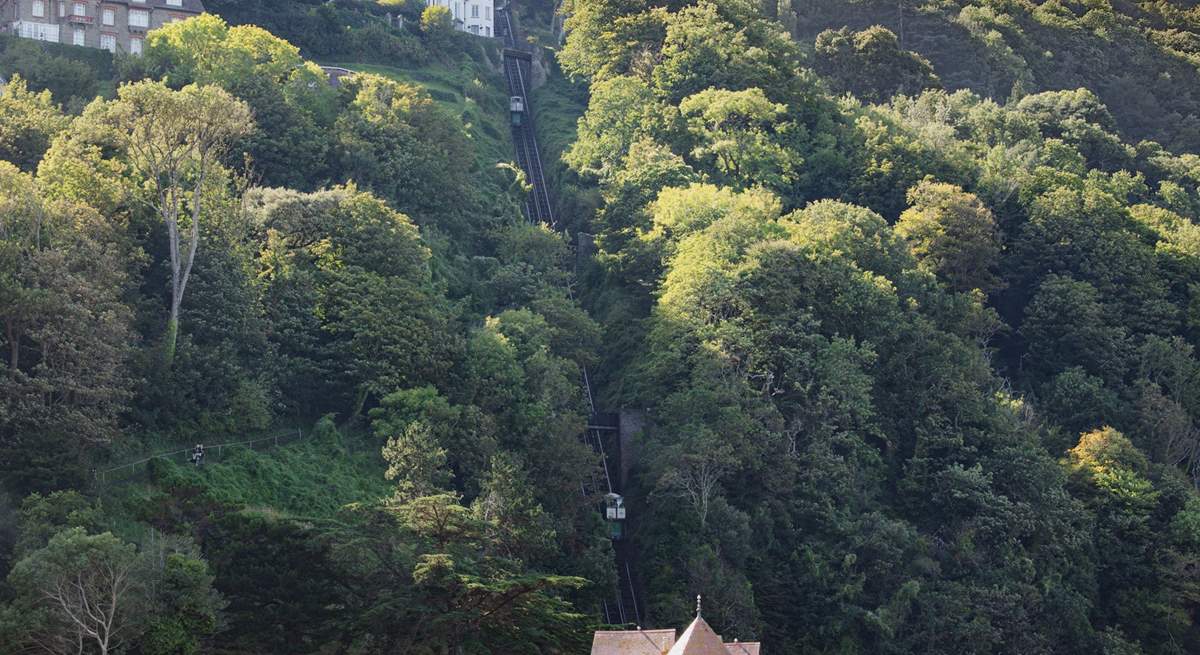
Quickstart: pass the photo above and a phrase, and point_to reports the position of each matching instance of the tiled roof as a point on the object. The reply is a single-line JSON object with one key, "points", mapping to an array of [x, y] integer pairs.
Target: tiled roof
{"points": [[699, 639], [632, 642], [743, 648]]}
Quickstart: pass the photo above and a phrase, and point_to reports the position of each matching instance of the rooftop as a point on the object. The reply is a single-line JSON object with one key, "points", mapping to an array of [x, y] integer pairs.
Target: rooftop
{"points": [[697, 639], [632, 642]]}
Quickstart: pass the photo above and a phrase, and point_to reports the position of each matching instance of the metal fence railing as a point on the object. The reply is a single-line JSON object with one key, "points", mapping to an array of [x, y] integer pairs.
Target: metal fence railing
{"points": [[130, 471]]}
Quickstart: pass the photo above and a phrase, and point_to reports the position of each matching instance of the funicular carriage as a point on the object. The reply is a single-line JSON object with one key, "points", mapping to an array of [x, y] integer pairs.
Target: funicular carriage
{"points": [[614, 513], [516, 108]]}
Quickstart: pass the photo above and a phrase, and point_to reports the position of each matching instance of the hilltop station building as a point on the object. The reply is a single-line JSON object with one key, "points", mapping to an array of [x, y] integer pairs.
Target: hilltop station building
{"points": [[473, 16], [113, 25], [698, 639]]}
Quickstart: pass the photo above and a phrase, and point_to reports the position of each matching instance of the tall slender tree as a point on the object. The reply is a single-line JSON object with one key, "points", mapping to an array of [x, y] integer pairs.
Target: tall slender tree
{"points": [[175, 141]]}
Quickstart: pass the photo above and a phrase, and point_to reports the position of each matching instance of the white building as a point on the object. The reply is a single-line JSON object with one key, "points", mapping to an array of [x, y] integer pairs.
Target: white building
{"points": [[474, 16]]}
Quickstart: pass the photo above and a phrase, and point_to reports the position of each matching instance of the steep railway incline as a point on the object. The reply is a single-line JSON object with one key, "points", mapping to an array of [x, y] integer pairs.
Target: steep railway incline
{"points": [[623, 606], [517, 63]]}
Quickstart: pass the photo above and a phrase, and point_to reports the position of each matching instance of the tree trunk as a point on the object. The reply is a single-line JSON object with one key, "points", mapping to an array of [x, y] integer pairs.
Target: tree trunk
{"points": [[14, 344], [359, 402], [171, 336], [181, 270]]}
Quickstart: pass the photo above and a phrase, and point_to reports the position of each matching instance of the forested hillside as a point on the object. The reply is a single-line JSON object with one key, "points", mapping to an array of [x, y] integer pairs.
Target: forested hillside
{"points": [[921, 373], [909, 295], [1139, 58], [227, 245]]}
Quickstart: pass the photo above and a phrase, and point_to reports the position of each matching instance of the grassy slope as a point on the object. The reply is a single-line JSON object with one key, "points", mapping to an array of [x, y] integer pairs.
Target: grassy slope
{"points": [[471, 90], [311, 478], [557, 106]]}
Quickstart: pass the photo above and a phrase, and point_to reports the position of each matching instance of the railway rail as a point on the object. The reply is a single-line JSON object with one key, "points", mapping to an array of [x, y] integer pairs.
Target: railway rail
{"points": [[538, 207], [623, 606]]}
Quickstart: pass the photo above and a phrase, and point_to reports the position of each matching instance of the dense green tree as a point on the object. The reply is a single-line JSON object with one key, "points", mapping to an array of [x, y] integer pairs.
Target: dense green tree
{"points": [[425, 565], [1088, 235], [871, 64], [463, 434], [259, 559], [952, 235], [438, 26], [73, 77], [1066, 326], [736, 134], [720, 45], [174, 141], [82, 590], [415, 462], [517, 526], [42, 517], [761, 333], [621, 110], [67, 336], [1078, 402], [1054, 110], [185, 606], [97, 593], [224, 383], [392, 139], [891, 160], [611, 38], [292, 105], [350, 279], [28, 121], [343, 32], [1114, 478]]}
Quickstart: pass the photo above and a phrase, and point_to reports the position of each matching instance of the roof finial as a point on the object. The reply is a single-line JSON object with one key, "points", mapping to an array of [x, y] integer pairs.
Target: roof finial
{"points": [[697, 605]]}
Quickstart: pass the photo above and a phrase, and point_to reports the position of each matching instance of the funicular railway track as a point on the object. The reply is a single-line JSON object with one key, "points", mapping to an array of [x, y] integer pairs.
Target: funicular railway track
{"points": [[537, 208], [622, 607]]}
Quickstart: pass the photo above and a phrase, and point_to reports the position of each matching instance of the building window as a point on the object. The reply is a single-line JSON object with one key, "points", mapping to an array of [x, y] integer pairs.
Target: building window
{"points": [[62, 8], [39, 8], [474, 11], [79, 9], [139, 18], [79, 36], [109, 16], [135, 46], [489, 12], [39, 31], [175, 3], [108, 42]]}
